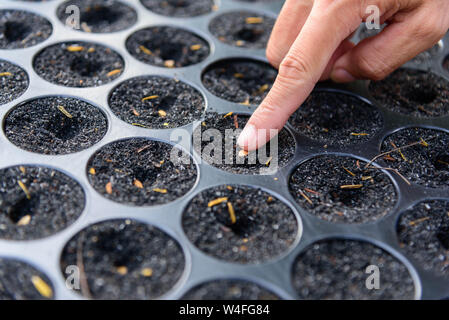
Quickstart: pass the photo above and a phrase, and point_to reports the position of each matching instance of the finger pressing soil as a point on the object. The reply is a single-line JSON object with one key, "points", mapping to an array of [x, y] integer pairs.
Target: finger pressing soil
{"points": [[235, 224]]}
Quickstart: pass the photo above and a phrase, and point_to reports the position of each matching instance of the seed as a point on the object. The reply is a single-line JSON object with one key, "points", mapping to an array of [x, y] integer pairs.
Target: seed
{"points": [[42, 287], [147, 272], [138, 184], [195, 47], [162, 113], [24, 220], [169, 63], [5, 74], [238, 75], [243, 153], [122, 270], [160, 190], [92, 171], [254, 20], [109, 187], [22, 169], [217, 201], [114, 72], [75, 48]]}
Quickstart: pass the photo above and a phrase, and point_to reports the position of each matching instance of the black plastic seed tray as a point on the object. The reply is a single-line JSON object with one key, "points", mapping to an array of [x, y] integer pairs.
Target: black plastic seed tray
{"points": [[164, 240]]}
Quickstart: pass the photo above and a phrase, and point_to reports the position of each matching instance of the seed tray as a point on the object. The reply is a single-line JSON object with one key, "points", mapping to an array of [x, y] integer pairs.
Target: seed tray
{"points": [[274, 275]]}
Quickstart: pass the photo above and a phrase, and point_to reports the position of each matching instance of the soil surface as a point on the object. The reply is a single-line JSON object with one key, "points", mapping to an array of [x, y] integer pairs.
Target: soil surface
{"points": [[36, 202], [78, 64], [336, 270], [423, 233], [426, 162], [13, 81], [167, 47], [239, 224], [139, 172], [100, 16], [180, 8], [124, 259], [156, 102], [21, 29], [243, 29], [336, 119], [55, 125], [20, 281], [242, 81], [414, 93], [229, 127], [340, 189], [229, 290]]}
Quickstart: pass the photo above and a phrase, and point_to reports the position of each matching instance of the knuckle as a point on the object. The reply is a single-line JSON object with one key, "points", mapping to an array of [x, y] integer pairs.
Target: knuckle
{"points": [[294, 68], [373, 69]]}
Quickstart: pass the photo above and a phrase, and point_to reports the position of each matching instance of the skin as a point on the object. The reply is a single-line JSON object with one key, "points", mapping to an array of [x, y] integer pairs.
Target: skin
{"points": [[310, 43]]}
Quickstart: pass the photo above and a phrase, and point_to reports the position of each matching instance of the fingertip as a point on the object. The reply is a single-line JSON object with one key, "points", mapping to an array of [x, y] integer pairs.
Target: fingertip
{"points": [[248, 137]]}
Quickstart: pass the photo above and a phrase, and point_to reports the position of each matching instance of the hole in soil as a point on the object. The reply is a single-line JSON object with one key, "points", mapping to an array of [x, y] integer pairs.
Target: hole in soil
{"points": [[85, 67], [100, 14], [423, 93], [249, 35], [23, 207], [346, 196], [442, 161], [167, 103], [146, 175], [178, 3], [166, 50], [62, 127], [443, 237], [15, 31]]}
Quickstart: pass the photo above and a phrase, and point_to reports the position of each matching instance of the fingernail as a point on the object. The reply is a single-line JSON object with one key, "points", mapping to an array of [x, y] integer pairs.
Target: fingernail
{"points": [[248, 134], [341, 75]]}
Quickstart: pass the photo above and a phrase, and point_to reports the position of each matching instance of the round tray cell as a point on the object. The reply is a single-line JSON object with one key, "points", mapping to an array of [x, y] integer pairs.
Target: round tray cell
{"points": [[55, 125], [167, 47], [423, 233], [20, 281], [21, 29], [242, 81], [124, 259], [233, 159], [229, 290], [78, 64], [156, 102], [235, 224], [242, 29], [37, 202], [141, 172], [337, 270], [180, 8], [100, 16], [13, 81], [423, 157], [414, 93], [341, 189], [337, 119]]}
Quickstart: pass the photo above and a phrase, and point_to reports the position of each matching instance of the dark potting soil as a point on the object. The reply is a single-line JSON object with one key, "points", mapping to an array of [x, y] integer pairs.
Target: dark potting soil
{"points": [[340, 189], [336, 270], [20, 281], [37, 202], [446, 63], [124, 259], [423, 233], [336, 119], [180, 8], [55, 125], [168, 47], [13, 81], [239, 224], [100, 16], [21, 29], [156, 102], [242, 81], [229, 290], [426, 162], [258, 162], [139, 172], [78, 64], [243, 29], [413, 92]]}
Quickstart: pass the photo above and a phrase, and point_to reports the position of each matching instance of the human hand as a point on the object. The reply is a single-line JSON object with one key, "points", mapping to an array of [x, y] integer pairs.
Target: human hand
{"points": [[310, 42]]}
